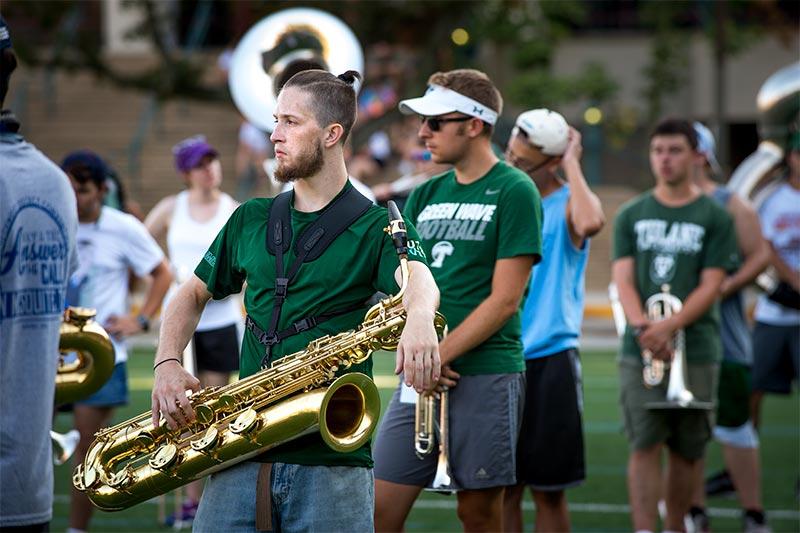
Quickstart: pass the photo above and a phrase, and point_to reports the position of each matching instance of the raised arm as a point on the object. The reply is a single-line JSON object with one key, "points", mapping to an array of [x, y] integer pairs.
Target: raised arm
{"points": [[171, 380], [585, 216], [508, 285]]}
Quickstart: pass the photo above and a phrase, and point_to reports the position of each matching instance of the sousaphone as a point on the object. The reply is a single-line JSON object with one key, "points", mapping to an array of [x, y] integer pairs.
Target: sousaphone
{"points": [[755, 178], [281, 45]]}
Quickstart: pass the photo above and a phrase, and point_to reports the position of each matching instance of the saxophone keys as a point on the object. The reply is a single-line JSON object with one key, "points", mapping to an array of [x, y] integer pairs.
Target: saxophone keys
{"points": [[121, 479], [207, 441], [164, 457], [204, 413], [77, 478], [245, 422]]}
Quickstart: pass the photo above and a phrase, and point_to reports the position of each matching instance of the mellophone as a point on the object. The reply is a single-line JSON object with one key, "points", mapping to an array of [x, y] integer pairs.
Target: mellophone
{"points": [[93, 364]]}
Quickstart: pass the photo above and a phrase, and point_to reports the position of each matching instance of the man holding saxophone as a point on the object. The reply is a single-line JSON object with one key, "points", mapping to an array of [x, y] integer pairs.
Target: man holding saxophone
{"points": [[302, 485], [674, 238]]}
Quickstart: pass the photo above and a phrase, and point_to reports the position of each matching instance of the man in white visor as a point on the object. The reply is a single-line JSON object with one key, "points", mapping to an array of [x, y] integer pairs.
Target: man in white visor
{"points": [[480, 227]]}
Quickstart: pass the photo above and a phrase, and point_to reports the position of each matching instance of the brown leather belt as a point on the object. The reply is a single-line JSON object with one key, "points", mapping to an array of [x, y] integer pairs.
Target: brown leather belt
{"points": [[264, 498]]}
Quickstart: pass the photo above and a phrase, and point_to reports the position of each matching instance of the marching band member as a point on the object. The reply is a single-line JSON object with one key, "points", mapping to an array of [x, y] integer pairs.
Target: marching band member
{"points": [[480, 225], [110, 244], [303, 485], [672, 235], [37, 256], [734, 429], [552, 428]]}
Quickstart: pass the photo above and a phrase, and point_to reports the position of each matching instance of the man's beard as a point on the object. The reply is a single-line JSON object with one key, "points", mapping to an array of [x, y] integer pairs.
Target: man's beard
{"points": [[307, 165]]}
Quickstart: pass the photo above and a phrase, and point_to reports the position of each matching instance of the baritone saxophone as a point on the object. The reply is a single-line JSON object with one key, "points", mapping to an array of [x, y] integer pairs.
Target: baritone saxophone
{"points": [[300, 394]]}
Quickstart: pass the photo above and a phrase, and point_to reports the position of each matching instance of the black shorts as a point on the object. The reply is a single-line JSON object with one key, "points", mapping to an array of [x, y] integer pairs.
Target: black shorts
{"points": [[776, 357], [550, 453], [217, 350]]}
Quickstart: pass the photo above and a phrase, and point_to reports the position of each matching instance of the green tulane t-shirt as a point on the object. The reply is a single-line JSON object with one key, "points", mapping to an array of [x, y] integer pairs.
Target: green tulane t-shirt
{"points": [[672, 245], [361, 261], [464, 230]]}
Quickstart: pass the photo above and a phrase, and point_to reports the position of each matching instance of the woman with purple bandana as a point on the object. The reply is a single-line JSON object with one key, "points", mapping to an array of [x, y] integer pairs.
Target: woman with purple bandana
{"points": [[189, 221]]}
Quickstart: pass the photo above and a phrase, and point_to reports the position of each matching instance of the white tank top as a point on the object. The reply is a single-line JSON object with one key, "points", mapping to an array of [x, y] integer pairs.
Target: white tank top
{"points": [[187, 242]]}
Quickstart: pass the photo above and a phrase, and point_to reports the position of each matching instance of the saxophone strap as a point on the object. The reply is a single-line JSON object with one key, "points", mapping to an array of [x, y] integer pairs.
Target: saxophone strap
{"points": [[312, 242]]}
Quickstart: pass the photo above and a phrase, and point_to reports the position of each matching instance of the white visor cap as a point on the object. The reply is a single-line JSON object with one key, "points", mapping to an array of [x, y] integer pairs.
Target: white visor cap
{"points": [[547, 130], [440, 100]]}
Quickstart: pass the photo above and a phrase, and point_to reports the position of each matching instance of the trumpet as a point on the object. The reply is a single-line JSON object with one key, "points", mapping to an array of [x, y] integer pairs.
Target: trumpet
{"points": [[661, 306], [425, 436]]}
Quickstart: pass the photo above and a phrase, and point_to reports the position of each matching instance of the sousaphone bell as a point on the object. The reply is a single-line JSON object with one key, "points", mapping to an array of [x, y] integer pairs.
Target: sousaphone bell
{"points": [[281, 45]]}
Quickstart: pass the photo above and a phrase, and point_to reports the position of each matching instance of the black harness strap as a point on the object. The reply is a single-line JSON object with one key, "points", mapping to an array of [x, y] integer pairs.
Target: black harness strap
{"points": [[310, 245]]}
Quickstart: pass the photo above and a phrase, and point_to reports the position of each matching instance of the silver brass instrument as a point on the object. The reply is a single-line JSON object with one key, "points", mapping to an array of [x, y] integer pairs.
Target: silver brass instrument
{"points": [[424, 430], [300, 394], [661, 306], [441, 480], [778, 103], [64, 445], [281, 45], [94, 363]]}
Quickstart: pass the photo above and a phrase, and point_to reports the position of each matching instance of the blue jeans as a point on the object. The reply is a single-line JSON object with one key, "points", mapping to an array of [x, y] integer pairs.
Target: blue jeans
{"points": [[304, 498]]}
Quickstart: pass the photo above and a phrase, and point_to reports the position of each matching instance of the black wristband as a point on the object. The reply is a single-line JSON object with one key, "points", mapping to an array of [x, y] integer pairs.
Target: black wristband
{"points": [[165, 360], [144, 322]]}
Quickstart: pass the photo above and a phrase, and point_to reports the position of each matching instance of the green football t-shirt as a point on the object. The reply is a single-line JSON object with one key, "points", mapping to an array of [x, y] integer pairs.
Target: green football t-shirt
{"points": [[464, 230], [361, 261], [672, 245]]}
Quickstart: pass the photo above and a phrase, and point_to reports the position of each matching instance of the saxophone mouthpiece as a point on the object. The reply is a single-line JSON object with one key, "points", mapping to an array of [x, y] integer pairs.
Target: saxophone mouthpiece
{"points": [[397, 229]]}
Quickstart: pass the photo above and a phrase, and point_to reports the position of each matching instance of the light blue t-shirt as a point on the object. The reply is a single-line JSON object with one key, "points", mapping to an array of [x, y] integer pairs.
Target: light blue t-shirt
{"points": [[553, 310]]}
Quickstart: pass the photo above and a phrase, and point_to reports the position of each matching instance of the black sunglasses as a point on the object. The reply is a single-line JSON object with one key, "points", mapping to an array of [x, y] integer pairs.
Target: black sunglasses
{"points": [[435, 123]]}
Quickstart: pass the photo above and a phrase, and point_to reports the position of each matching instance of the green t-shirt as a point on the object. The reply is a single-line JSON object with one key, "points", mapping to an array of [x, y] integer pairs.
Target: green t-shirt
{"points": [[361, 261], [672, 245], [464, 230]]}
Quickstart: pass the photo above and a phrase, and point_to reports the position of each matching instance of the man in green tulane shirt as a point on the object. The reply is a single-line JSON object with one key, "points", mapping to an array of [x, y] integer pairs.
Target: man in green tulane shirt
{"points": [[481, 228], [671, 235], [302, 484]]}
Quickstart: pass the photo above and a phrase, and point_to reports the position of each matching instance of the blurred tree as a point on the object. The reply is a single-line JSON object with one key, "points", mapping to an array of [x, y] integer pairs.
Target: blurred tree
{"points": [[529, 33]]}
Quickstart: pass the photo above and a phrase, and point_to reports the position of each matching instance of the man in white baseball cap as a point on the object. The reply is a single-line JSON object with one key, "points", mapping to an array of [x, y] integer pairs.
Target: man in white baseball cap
{"points": [[550, 451], [480, 226]]}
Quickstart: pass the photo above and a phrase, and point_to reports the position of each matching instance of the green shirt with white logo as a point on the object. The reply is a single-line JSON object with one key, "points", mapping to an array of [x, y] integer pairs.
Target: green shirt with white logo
{"points": [[464, 230], [672, 246], [361, 261]]}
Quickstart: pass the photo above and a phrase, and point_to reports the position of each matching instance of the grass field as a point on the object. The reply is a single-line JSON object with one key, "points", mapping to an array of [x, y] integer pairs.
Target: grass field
{"points": [[599, 505]]}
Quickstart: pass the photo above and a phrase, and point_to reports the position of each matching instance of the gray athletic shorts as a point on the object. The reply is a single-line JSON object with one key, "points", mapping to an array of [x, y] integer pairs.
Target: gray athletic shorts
{"points": [[484, 419]]}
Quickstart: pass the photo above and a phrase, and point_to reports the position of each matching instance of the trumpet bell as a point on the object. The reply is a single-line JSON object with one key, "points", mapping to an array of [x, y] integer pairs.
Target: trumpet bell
{"points": [[281, 45]]}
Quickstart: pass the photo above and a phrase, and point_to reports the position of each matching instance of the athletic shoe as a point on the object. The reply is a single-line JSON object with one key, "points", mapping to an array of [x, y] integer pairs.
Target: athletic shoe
{"points": [[720, 484], [696, 521], [185, 518], [755, 522]]}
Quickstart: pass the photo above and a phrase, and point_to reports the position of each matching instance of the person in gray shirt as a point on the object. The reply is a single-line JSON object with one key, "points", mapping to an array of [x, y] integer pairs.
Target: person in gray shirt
{"points": [[38, 221]]}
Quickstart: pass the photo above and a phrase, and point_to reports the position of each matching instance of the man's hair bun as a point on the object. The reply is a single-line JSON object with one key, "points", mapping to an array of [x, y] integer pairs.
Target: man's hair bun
{"points": [[350, 77]]}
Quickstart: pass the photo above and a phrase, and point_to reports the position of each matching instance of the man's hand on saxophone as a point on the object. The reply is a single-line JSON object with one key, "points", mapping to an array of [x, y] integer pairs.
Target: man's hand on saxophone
{"points": [[171, 380], [418, 350]]}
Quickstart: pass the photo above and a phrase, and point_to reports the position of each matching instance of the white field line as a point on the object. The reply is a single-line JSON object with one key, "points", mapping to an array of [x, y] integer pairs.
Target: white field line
{"points": [[601, 508]]}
